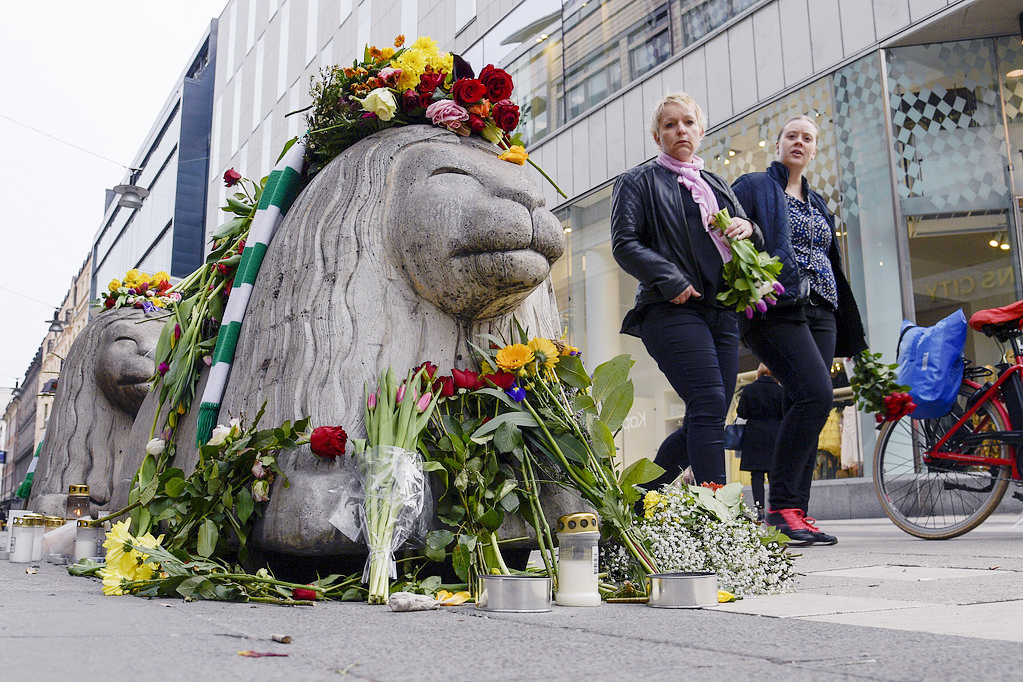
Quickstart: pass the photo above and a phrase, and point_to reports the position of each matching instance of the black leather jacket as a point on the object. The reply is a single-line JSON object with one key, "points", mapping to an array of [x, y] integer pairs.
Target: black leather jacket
{"points": [[650, 238]]}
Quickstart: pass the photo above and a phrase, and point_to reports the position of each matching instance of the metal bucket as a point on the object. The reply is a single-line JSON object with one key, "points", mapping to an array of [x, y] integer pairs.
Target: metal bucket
{"points": [[514, 593], [682, 590]]}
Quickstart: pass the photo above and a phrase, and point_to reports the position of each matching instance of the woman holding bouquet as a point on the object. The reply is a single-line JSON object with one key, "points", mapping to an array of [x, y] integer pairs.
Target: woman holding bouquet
{"points": [[815, 318], [661, 234]]}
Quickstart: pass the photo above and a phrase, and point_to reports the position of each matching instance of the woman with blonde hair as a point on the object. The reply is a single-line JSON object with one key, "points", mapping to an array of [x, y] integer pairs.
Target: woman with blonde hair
{"points": [[815, 319], [661, 234]]}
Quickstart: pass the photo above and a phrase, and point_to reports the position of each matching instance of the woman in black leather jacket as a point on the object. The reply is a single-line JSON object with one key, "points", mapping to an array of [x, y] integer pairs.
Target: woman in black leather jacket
{"points": [[815, 319], [660, 235]]}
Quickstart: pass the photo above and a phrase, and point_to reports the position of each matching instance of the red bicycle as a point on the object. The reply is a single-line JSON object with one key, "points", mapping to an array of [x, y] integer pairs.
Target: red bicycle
{"points": [[940, 478]]}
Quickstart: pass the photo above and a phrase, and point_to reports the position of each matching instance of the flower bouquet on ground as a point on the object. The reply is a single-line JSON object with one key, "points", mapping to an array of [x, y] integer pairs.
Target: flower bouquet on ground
{"points": [[393, 488], [876, 390], [751, 275], [479, 485], [567, 419], [709, 528]]}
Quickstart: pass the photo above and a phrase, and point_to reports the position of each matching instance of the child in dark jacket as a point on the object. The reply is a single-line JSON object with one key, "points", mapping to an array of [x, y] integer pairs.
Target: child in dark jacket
{"points": [[760, 404]]}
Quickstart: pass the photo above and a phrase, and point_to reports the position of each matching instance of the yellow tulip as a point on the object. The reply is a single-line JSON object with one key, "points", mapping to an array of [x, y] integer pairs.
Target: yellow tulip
{"points": [[725, 597]]}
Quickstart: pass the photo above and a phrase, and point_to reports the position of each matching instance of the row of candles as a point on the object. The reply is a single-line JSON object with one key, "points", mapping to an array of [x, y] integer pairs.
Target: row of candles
{"points": [[25, 538]]}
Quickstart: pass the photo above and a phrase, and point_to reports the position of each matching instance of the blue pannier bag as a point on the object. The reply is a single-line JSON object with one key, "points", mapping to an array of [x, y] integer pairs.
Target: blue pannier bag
{"points": [[931, 364]]}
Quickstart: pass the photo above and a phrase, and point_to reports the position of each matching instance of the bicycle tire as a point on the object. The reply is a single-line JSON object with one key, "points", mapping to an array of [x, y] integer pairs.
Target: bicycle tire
{"points": [[941, 500]]}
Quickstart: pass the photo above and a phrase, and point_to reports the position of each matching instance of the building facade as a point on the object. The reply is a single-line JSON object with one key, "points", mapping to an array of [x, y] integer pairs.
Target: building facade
{"points": [[167, 232], [918, 103]]}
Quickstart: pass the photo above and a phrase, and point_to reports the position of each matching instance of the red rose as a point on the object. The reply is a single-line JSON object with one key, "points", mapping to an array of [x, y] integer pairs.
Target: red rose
{"points": [[501, 379], [163, 286], [467, 379], [476, 123], [445, 386], [468, 91], [328, 441], [231, 177], [301, 593], [498, 82], [430, 370], [410, 101], [109, 303], [506, 115], [429, 82]]}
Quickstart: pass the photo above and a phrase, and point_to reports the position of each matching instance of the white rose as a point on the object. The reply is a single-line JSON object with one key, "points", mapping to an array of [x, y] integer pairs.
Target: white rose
{"points": [[220, 434], [380, 102], [156, 446]]}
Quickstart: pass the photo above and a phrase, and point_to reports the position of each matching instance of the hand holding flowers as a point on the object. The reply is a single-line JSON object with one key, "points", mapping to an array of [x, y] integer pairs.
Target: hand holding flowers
{"points": [[751, 275]]}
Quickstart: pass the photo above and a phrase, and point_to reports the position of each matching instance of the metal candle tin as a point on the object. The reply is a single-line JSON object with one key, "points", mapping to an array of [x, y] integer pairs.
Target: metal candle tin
{"points": [[682, 590], [514, 593]]}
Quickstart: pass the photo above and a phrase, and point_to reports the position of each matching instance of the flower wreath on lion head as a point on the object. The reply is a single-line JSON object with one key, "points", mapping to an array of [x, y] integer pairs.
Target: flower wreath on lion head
{"points": [[414, 84]]}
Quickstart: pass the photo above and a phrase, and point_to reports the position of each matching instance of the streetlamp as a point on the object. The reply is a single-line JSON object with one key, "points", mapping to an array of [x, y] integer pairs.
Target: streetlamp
{"points": [[131, 194], [55, 324]]}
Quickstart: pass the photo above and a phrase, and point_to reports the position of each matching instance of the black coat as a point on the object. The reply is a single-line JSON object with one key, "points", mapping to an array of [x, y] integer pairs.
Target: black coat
{"points": [[760, 404], [651, 240], [762, 195]]}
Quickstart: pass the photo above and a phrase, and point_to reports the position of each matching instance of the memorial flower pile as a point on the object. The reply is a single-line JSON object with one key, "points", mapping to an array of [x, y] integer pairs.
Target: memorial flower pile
{"points": [[695, 528], [876, 390], [751, 275], [139, 290], [417, 83]]}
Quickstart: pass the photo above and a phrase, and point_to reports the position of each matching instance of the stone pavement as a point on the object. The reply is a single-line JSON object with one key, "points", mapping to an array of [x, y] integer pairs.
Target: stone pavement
{"points": [[880, 605]]}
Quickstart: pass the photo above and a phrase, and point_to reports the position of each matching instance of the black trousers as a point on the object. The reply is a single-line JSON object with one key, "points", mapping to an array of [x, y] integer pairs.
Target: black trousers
{"points": [[799, 356], [696, 347]]}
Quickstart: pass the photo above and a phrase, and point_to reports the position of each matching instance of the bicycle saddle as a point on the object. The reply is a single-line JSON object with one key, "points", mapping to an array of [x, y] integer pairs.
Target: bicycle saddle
{"points": [[1001, 323]]}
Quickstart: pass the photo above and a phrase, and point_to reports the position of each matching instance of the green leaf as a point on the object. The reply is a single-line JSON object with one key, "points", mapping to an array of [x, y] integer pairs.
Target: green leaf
{"points": [[439, 539], [461, 558], [602, 438], [507, 437], [516, 418], [583, 403], [439, 469], [616, 405], [244, 504], [570, 370], [208, 535], [610, 374], [506, 488], [572, 448], [230, 227], [174, 486], [492, 519], [147, 493], [638, 473]]}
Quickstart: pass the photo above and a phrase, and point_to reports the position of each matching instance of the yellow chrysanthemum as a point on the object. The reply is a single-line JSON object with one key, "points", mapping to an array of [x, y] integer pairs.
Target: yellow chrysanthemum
{"points": [[118, 544], [113, 580], [651, 501], [387, 52], [114, 285], [544, 352], [514, 357], [412, 64], [159, 277]]}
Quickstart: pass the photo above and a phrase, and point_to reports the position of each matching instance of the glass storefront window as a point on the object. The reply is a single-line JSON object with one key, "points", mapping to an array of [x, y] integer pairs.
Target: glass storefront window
{"points": [[953, 182]]}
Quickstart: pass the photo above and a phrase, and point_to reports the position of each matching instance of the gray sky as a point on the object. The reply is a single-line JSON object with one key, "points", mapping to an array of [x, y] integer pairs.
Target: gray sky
{"points": [[94, 74]]}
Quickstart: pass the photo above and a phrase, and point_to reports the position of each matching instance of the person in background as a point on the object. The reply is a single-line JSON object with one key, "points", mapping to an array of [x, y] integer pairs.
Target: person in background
{"points": [[661, 235], [815, 319], [761, 405]]}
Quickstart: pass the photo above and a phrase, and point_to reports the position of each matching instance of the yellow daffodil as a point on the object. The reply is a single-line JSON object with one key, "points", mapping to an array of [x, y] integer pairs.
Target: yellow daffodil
{"points": [[651, 501], [156, 301], [514, 357], [515, 154], [725, 597], [545, 352]]}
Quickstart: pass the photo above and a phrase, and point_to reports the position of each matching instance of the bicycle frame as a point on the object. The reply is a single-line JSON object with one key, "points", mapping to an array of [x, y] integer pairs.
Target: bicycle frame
{"points": [[1012, 438]]}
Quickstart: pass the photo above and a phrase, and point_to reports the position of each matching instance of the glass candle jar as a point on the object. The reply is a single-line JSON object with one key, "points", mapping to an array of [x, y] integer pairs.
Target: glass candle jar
{"points": [[578, 560], [77, 502], [22, 538], [39, 529], [87, 539]]}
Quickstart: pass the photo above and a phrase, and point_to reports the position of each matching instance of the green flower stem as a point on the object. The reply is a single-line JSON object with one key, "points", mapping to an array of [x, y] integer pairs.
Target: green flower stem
{"points": [[119, 512], [569, 469], [543, 531], [546, 177]]}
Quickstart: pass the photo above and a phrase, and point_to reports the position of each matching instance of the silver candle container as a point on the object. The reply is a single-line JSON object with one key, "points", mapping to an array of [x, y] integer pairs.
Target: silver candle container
{"points": [[514, 593], [682, 590]]}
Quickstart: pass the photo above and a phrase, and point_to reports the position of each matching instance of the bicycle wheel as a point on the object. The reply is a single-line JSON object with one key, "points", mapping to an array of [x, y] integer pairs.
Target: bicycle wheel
{"points": [[942, 499]]}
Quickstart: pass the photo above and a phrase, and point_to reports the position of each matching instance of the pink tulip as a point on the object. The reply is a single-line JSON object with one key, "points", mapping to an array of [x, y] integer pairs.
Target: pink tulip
{"points": [[779, 288], [371, 402], [401, 395], [749, 313], [424, 402], [761, 306]]}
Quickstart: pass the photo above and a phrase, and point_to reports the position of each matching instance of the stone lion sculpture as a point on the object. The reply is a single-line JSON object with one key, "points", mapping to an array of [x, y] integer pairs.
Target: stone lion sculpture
{"points": [[405, 248], [102, 385]]}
